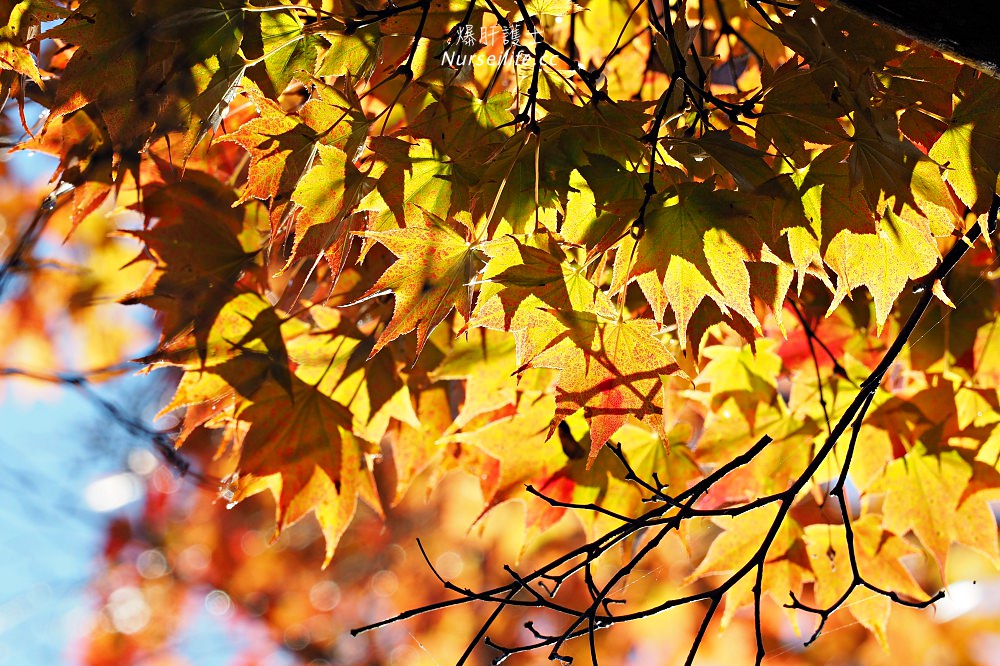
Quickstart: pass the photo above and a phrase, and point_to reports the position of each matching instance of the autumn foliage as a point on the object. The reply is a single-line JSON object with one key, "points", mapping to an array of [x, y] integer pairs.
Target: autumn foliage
{"points": [[687, 309]]}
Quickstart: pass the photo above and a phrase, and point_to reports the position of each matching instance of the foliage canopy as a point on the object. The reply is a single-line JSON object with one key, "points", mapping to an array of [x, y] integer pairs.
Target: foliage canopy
{"points": [[714, 278]]}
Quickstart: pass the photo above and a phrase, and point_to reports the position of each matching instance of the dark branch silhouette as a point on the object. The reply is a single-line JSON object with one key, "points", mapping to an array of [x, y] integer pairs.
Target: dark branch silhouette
{"points": [[540, 588]]}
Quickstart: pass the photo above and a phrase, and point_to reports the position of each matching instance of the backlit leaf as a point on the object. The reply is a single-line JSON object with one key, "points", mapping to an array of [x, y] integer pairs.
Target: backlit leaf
{"points": [[430, 277]]}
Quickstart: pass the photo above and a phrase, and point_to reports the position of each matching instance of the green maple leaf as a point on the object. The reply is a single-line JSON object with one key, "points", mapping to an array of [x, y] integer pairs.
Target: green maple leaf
{"points": [[286, 48], [411, 178], [603, 200], [354, 54], [334, 114]]}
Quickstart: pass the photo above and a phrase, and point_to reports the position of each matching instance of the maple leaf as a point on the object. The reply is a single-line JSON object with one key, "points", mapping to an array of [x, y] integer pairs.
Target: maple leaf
{"points": [[333, 114], [486, 360], [247, 323], [520, 195], [440, 17], [201, 250], [280, 147], [337, 361], [877, 557], [893, 172], [327, 195], [832, 567], [540, 7], [104, 32], [745, 165], [285, 47], [248, 338], [462, 125], [671, 461], [525, 283], [742, 537], [880, 557], [604, 481], [83, 150], [138, 84], [412, 178], [898, 251], [746, 146], [860, 250], [601, 201], [830, 206], [608, 130], [527, 453], [431, 275], [969, 146], [24, 20], [354, 54], [924, 494], [795, 111], [245, 348], [744, 374], [301, 447], [773, 471], [611, 369], [415, 446], [696, 246]]}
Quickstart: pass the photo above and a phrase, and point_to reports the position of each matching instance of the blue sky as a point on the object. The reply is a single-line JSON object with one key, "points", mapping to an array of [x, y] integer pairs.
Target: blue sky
{"points": [[49, 539]]}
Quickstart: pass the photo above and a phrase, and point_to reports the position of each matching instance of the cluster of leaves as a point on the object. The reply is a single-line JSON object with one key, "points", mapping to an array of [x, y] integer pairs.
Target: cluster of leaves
{"points": [[659, 256], [183, 549]]}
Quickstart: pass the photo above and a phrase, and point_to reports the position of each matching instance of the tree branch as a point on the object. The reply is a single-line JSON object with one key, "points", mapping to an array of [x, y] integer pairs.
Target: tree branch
{"points": [[673, 511]]}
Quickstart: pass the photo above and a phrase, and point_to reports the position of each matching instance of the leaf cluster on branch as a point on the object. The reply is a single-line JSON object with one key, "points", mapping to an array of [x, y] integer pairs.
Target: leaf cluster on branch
{"points": [[638, 263]]}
